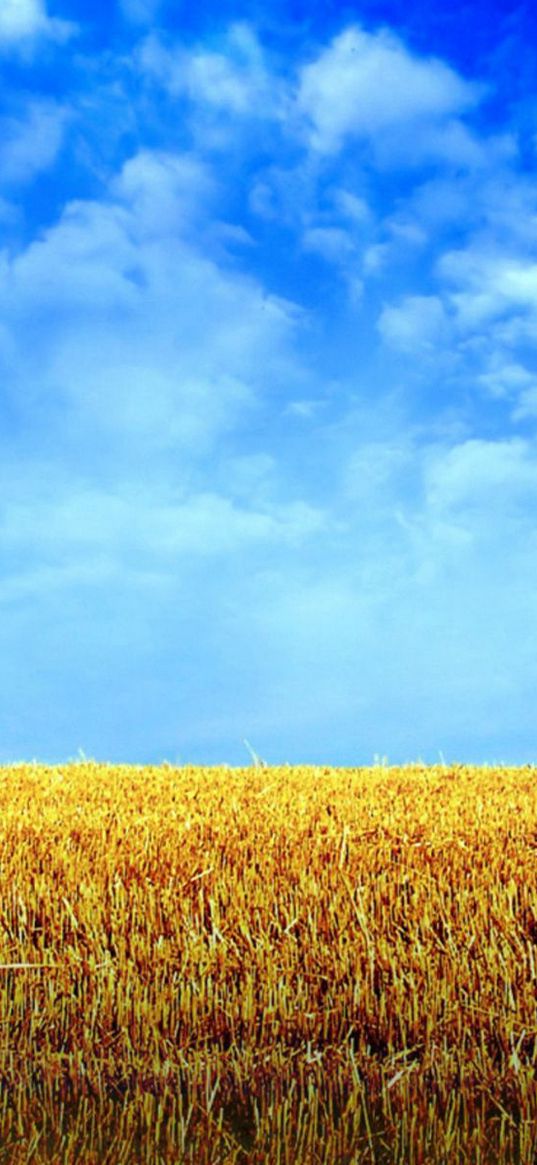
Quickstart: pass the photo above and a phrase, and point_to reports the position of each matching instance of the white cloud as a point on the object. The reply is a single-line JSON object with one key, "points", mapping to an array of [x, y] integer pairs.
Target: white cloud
{"points": [[417, 323], [140, 11], [38, 581], [492, 283], [234, 80], [369, 83], [289, 196], [375, 473], [526, 408], [493, 207], [250, 476], [306, 410], [165, 192], [22, 21], [30, 144], [505, 378], [332, 243], [484, 476], [487, 287], [71, 524], [352, 207], [200, 481], [444, 141], [137, 334]]}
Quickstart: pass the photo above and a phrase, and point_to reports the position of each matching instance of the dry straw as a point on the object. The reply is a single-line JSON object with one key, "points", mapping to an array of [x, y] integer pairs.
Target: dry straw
{"points": [[290, 965]]}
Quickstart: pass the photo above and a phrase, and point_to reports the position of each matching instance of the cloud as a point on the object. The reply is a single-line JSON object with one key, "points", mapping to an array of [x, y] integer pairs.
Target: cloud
{"points": [[221, 489], [156, 340], [82, 524], [526, 408], [30, 143], [140, 11], [506, 378], [490, 292], [483, 476], [366, 84], [147, 356], [166, 193], [332, 243], [418, 322], [23, 21], [375, 472], [489, 283], [234, 81]]}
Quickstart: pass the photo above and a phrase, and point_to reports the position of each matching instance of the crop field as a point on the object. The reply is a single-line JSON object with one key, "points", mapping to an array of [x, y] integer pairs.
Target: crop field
{"points": [[283, 965]]}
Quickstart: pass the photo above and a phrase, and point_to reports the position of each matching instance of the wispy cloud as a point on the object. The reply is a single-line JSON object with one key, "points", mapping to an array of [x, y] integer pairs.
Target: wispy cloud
{"points": [[24, 21], [140, 12], [368, 85], [268, 368], [30, 142]]}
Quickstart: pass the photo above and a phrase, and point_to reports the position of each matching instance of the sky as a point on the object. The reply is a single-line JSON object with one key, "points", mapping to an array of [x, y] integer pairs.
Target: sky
{"points": [[268, 381]]}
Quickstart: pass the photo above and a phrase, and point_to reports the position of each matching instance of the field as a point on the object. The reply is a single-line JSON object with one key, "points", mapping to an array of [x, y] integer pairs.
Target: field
{"points": [[280, 965]]}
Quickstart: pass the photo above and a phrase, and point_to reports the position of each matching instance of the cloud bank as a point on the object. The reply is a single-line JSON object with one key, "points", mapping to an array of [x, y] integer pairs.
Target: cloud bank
{"points": [[268, 371]]}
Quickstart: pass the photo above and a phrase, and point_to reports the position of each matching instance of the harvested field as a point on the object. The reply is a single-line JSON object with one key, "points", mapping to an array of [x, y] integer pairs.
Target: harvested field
{"points": [[286, 965]]}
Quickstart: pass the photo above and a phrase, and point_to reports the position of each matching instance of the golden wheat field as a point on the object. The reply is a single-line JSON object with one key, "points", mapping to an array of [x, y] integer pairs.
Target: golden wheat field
{"points": [[284, 965]]}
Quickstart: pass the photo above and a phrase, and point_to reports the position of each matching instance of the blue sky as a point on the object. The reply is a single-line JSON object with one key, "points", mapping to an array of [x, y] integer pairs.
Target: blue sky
{"points": [[268, 381]]}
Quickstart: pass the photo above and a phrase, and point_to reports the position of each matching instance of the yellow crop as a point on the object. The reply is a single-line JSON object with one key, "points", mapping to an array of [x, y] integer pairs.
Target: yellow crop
{"points": [[280, 965]]}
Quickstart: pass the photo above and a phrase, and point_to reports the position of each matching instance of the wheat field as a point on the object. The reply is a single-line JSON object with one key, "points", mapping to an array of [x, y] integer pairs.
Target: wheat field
{"points": [[283, 965]]}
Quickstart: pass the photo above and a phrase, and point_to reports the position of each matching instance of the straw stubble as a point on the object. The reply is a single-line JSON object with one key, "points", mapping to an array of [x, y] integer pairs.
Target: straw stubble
{"points": [[286, 964]]}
